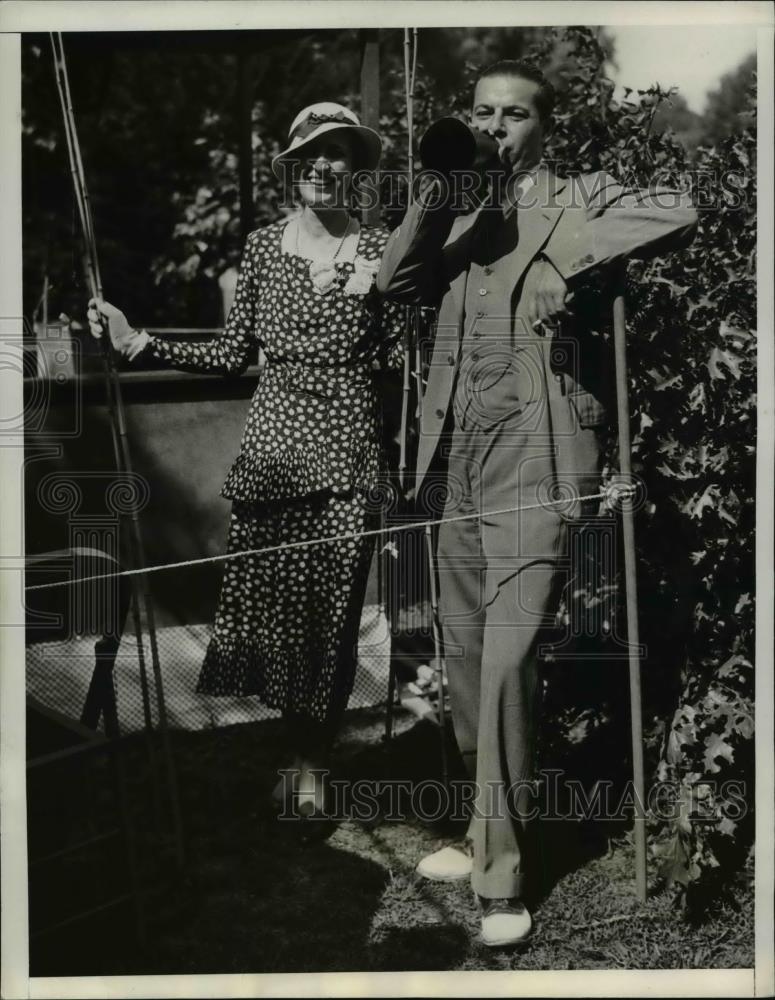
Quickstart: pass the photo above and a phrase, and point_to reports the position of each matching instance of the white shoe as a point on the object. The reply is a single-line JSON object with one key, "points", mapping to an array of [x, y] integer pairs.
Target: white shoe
{"points": [[450, 864], [505, 922], [414, 700]]}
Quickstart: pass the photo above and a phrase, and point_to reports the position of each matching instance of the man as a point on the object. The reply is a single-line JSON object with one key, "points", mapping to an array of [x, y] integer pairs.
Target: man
{"points": [[511, 418]]}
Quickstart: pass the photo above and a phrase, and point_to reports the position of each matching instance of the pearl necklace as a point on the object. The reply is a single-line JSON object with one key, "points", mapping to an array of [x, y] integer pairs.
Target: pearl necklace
{"points": [[323, 273], [338, 250]]}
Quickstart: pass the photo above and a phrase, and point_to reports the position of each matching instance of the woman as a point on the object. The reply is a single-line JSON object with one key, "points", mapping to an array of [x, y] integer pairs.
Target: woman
{"points": [[286, 627]]}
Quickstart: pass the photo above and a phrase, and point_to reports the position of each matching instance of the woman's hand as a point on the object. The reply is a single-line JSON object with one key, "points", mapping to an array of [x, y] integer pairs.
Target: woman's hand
{"points": [[124, 339]]}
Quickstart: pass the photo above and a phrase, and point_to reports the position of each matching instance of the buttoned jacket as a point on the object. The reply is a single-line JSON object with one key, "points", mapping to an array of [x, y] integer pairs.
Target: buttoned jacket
{"points": [[472, 269]]}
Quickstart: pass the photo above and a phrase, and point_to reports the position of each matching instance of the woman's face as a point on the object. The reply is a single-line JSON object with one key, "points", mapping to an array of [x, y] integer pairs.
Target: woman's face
{"points": [[325, 172]]}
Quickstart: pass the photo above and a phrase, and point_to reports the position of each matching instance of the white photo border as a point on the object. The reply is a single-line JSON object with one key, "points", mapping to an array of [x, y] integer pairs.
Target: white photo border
{"points": [[175, 15]]}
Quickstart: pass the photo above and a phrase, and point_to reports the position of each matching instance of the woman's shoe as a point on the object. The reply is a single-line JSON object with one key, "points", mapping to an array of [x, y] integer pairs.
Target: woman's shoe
{"points": [[310, 793], [282, 796], [312, 807]]}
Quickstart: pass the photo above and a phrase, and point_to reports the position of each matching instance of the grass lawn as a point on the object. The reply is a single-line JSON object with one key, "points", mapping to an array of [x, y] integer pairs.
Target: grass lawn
{"points": [[256, 897]]}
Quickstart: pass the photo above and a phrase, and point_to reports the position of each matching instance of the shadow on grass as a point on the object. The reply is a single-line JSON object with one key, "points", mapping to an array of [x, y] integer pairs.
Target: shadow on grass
{"points": [[419, 949], [263, 897], [280, 907], [252, 897], [558, 841]]}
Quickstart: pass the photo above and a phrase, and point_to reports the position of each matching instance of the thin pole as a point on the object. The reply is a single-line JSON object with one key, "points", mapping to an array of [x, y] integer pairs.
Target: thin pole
{"points": [[245, 128], [117, 423], [418, 367], [388, 549], [412, 345], [438, 655], [392, 592], [410, 68], [91, 269], [369, 47], [410, 318], [438, 658], [405, 393], [631, 584]]}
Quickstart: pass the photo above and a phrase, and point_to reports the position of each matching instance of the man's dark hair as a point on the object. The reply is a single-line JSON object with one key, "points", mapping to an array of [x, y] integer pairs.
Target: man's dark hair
{"points": [[544, 98]]}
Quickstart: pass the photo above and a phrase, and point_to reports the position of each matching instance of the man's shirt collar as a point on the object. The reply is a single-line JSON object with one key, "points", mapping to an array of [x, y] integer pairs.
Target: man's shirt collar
{"points": [[516, 187]]}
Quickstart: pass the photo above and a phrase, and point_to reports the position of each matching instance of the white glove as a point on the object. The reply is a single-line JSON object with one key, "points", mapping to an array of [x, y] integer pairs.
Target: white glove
{"points": [[124, 339]]}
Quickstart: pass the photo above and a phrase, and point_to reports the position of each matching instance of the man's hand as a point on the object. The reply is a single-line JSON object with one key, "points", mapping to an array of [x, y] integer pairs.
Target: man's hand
{"points": [[619, 489], [545, 292]]}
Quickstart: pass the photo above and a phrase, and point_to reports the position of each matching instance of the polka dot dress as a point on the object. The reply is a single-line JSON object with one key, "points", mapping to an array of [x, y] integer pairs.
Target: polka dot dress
{"points": [[286, 626]]}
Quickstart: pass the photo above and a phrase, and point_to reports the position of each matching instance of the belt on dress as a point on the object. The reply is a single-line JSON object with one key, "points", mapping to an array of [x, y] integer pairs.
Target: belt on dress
{"points": [[311, 378]]}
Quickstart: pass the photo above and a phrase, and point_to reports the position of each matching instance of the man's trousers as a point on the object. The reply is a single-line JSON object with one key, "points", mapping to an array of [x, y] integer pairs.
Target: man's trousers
{"points": [[499, 584]]}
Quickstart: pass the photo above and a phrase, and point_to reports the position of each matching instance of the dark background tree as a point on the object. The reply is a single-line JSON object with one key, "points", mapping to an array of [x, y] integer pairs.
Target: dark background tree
{"points": [[689, 127], [730, 101]]}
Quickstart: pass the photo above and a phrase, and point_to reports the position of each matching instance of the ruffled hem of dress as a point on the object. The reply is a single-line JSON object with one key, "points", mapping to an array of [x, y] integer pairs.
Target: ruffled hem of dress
{"points": [[239, 667], [297, 472]]}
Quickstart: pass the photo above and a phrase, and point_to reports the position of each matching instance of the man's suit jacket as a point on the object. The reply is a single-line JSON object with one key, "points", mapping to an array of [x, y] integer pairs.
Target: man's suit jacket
{"points": [[580, 226]]}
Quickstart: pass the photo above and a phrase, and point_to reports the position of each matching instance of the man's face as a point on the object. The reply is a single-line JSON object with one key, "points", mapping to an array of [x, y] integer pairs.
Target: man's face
{"points": [[505, 107]]}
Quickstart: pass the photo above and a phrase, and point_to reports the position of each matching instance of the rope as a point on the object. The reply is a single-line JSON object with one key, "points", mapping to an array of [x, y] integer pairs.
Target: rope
{"points": [[619, 491]]}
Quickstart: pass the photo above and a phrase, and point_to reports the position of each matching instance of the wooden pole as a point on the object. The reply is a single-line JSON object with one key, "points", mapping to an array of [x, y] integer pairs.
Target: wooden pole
{"points": [[369, 49], [141, 589], [369, 45], [405, 394], [631, 584], [245, 125], [411, 76]]}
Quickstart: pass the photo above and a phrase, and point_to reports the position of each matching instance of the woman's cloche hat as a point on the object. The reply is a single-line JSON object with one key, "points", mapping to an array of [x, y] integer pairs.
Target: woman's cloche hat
{"points": [[324, 117]]}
